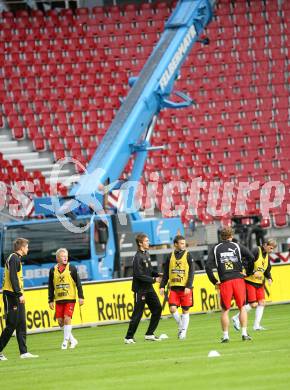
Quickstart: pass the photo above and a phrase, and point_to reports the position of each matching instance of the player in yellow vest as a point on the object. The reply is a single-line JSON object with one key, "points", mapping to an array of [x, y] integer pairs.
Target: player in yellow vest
{"points": [[63, 286], [255, 283], [14, 302], [179, 274]]}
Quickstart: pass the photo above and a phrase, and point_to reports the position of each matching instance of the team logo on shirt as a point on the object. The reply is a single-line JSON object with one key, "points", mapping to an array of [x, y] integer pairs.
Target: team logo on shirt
{"points": [[229, 257]]}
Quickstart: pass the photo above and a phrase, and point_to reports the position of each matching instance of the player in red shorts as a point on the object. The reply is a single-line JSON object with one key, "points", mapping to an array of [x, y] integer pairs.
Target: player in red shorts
{"points": [[255, 283], [179, 271], [62, 285], [229, 258]]}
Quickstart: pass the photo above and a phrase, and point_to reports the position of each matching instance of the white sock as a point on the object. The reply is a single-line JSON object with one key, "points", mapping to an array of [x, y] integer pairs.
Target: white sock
{"points": [[67, 332], [185, 321], [226, 334], [176, 316], [71, 337], [244, 331], [237, 316], [258, 315]]}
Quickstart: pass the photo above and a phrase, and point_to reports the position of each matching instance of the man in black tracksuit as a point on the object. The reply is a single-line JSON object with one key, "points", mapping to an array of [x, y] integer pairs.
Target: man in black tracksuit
{"points": [[143, 279], [14, 302], [229, 258]]}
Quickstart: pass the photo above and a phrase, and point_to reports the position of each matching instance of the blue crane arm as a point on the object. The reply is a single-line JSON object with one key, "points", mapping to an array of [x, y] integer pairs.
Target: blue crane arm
{"points": [[148, 95]]}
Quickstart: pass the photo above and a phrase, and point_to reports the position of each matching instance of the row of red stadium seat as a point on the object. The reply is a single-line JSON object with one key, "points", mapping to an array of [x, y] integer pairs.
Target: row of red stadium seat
{"points": [[63, 74]]}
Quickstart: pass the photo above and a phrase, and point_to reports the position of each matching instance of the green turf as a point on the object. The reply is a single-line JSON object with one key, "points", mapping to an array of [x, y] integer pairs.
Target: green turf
{"points": [[102, 361]]}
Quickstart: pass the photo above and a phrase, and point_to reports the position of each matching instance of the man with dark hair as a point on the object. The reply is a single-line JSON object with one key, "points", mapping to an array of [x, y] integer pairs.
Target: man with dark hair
{"points": [[142, 285], [179, 271], [255, 283], [229, 258], [14, 300]]}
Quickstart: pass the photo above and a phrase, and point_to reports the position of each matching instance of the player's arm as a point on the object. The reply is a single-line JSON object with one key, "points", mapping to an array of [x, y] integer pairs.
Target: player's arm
{"points": [[14, 266], [155, 274], [190, 262], [255, 253], [248, 259], [165, 276], [267, 272], [77, 280], [51, 289], [210, 265]]}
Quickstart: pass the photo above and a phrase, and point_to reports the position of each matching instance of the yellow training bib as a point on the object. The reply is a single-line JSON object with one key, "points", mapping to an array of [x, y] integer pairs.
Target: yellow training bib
{"points": [[64, 285], [260, 265], [7, 282], [178, 270]]}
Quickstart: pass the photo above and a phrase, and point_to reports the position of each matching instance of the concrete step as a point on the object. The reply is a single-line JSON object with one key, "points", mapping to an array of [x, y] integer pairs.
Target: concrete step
{"points": [[36, 160], [32, 162], [40, 166], [63, 173], [32, 156], [4, 138], [7, 144], [16, 150]]}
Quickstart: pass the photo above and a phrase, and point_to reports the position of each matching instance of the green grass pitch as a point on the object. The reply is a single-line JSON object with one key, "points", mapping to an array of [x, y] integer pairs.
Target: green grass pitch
{"points": [[103, 361]]}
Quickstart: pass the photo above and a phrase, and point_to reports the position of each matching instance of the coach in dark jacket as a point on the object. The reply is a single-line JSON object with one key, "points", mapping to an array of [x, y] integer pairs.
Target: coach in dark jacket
{"points": [[142, 285]]}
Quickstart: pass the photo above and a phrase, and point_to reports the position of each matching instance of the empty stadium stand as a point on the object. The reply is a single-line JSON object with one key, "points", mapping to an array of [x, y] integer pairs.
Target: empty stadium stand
{"points": [[63, 75]]}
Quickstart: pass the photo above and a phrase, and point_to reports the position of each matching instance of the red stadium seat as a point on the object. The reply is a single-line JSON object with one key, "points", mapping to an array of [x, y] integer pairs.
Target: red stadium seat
{"points": [[64, 79]]}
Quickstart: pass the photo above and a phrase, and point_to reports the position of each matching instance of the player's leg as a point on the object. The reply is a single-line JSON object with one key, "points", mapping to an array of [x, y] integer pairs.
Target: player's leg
{"points": [[175, 314], [244, 323], [225, 322], [67, 327], [184, 322], [186, 301], [239, 290], [59, 315], [236, 317], [236, 321], [251, 298], [60, 322], [155, 307], [174, 303], [11, 313], [139, 303], [21, 334], [21, 329], [260, 308], [68, 313], [226, 293]]}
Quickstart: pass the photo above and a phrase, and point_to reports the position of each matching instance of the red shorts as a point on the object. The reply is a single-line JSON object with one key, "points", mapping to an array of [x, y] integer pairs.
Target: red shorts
{"points": [[234, 288], [178, 298], [64, 309], [255, 294]]}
